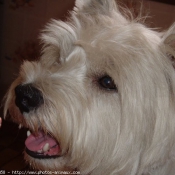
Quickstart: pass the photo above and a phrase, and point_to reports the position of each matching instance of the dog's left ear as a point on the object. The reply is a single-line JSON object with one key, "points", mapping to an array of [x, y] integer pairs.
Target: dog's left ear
{"points": [[96, 6], [169, 41]]}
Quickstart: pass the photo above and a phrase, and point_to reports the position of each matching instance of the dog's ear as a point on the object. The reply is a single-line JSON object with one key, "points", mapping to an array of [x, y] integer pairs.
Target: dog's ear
{"points": [[169, 41], [96, 6]]}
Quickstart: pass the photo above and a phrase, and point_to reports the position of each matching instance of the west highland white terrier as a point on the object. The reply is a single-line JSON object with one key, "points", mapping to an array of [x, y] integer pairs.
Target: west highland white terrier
{"points": [[101, 99]]}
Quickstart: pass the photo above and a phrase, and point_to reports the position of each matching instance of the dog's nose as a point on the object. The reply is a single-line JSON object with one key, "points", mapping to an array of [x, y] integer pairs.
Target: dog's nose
{"points": [[27, 97]]}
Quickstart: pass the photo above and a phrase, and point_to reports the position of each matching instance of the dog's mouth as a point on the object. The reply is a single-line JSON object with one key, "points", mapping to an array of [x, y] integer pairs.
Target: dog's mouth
{"points": [[42, 146]]}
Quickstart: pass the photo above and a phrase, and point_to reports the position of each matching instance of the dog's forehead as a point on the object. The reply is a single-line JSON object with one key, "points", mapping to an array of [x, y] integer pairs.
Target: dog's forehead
{"points": [[105, 43], [121, 49], [116, 41], [119, 35]]}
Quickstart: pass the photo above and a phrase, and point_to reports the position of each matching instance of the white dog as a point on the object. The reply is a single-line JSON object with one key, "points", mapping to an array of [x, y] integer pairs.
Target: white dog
{"points": [[101, 99]]}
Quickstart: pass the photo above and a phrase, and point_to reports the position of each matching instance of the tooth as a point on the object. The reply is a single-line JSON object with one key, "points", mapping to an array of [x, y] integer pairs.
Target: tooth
{"points": [[39, 151], [20, 126], [46, 147], [28, 133]]}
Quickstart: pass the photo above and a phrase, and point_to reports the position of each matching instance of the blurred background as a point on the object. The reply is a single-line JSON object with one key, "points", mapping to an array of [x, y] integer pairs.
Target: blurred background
{"points": [[20, 24]]}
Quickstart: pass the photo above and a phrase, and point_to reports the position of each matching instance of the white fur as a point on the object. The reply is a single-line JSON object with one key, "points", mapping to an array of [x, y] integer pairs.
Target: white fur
{"points": [[129, 132]]}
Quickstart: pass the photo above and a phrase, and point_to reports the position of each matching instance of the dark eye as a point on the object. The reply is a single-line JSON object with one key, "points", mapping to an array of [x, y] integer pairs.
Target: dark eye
{"points": [[107, 83]]}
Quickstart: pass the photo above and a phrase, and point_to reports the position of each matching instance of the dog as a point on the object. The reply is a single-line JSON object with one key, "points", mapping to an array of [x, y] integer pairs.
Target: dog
{"points": [[101, 99]]}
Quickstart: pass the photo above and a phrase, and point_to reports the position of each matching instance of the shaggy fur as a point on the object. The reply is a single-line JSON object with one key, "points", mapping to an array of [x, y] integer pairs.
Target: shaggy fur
{"points": [[129, 130]]}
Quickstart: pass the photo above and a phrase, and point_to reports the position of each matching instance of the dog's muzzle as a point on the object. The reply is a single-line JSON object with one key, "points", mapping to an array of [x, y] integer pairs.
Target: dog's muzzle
{"points": [[40, 144], [28, 98]]}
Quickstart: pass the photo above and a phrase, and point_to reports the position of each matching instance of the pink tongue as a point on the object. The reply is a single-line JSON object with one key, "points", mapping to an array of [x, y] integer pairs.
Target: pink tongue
{"points": [[36, 144]]}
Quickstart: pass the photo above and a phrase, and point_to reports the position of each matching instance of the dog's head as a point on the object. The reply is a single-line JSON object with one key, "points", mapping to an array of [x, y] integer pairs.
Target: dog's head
{"points": [[101, 99]]}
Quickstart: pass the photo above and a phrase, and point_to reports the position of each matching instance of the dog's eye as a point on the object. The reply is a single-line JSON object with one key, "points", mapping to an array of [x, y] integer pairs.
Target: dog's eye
{"points": [[107, 83]]}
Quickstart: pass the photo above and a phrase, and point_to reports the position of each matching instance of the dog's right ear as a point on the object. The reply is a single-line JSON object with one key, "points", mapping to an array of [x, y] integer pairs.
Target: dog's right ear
{"points": [[96, 6], [169, 42]]}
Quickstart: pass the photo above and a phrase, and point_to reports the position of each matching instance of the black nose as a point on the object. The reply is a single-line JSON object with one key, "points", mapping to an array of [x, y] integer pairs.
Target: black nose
{"points": [[28, 98]]}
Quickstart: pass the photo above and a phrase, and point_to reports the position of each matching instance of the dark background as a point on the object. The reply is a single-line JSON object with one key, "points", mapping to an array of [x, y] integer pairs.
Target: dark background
{"points": [[166, 1]]}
